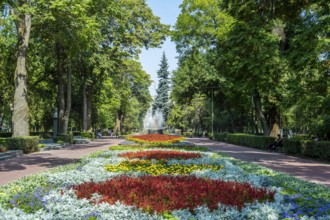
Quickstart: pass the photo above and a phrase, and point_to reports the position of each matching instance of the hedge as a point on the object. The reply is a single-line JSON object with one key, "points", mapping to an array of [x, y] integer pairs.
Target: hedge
{"points": [[89, 135], [3, 141], [249, 140], [187, 134], [315, 149], [221, 136], [65, 138], [5, 134], [76, 133], [292, 146], [28, 144], [41, 134], [298, 146]]}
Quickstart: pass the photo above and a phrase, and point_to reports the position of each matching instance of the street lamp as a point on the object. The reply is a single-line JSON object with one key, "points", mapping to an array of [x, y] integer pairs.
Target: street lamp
{"points": [[55, 118]]}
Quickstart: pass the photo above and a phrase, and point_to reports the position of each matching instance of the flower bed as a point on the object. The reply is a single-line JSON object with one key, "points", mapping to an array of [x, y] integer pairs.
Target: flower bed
{"points": [[160, 155], [166, 193], [159, 168], [155, 139], [162, 146], [251, 191]]}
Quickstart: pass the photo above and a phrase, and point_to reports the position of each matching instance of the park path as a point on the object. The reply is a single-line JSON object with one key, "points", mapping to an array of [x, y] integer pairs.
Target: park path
{"points": [[15, 168], [310, 170]]}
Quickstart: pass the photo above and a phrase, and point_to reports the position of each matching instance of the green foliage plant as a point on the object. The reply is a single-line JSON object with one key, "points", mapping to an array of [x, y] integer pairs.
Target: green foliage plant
{"points": [[28, 144], [249, 140], [89, 135], [65, 138], [5, 134]]}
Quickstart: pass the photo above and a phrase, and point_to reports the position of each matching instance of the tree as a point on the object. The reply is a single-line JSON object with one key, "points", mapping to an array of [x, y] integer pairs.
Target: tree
{"points": [[20, 11], [161, 101], [258, 51]]}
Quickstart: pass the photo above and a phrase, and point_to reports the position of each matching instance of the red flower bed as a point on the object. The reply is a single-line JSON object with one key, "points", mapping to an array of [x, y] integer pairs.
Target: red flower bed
{"points": [[155, 138], [160, 155], [166, 193]]}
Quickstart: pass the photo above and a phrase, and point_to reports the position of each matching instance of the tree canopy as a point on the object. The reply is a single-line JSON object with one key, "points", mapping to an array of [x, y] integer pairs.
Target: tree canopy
{"points": [[266, 62]]}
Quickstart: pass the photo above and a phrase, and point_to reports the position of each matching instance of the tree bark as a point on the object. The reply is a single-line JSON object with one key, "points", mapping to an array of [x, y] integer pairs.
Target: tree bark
{"points": [[20, 118], [60, 89], [68, 98], [89, 108], [260, 115], [64, 106], [274, 122], [84, 93]]}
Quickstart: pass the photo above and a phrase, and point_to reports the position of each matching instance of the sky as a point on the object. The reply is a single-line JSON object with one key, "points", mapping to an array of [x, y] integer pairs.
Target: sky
{"points": [[168, 11]]}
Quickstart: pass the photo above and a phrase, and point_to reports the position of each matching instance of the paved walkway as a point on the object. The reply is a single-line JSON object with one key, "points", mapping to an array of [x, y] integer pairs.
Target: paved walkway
{"points": [[305, 169], [15, 168]]}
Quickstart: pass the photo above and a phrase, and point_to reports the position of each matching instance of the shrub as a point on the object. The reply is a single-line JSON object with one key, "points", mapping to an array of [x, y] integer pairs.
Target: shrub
{"points": [[187, 134], [41, 145], [76, 133], [249, 140], [221, 136], [5, 134], [41, 134], [315, 149], [292, 145], [28, 144], [3, 141], [88, 134], [3, 148], [66, 138]]}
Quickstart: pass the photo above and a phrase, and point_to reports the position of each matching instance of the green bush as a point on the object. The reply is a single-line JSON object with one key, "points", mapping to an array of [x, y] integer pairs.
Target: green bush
{"points": [[28, 144], [315, 149], [221, 136], [89, 135], [42, 134], [76, 133], [292, 145], [3, 141], [249, 140], [65, 138], [187, 134], [5, 134]]}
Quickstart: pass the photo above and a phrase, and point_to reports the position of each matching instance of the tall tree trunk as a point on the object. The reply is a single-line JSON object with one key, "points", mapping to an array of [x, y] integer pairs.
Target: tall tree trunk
{"points": [[274, 122], [60, 91], [63, 106], [260, 115], [89, 97], [84, 93], [68, 98], [20, 118]]}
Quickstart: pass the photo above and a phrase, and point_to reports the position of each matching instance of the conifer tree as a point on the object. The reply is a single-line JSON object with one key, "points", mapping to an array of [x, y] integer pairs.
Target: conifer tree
{"points": [[161, 102]]}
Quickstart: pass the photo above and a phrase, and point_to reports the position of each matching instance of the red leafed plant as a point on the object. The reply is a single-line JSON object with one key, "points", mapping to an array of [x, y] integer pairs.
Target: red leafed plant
{"points": [[167, 193], [160, 155]]}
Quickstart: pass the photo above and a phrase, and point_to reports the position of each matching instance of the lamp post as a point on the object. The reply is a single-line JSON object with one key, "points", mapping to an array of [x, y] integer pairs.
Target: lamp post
{"points": [[55, 118]]}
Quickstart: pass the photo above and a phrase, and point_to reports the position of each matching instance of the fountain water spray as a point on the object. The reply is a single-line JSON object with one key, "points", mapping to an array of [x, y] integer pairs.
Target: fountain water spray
{"points": [[154, 123]]}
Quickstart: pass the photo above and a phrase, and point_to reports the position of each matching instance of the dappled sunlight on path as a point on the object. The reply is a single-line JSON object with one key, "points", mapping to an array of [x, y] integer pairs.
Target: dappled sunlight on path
{"points": [[25, 165], [310, 170]]}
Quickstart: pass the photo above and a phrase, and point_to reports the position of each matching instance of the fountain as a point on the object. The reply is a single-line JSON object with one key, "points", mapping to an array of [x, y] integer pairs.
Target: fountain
{"points": [[154, 124]]}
